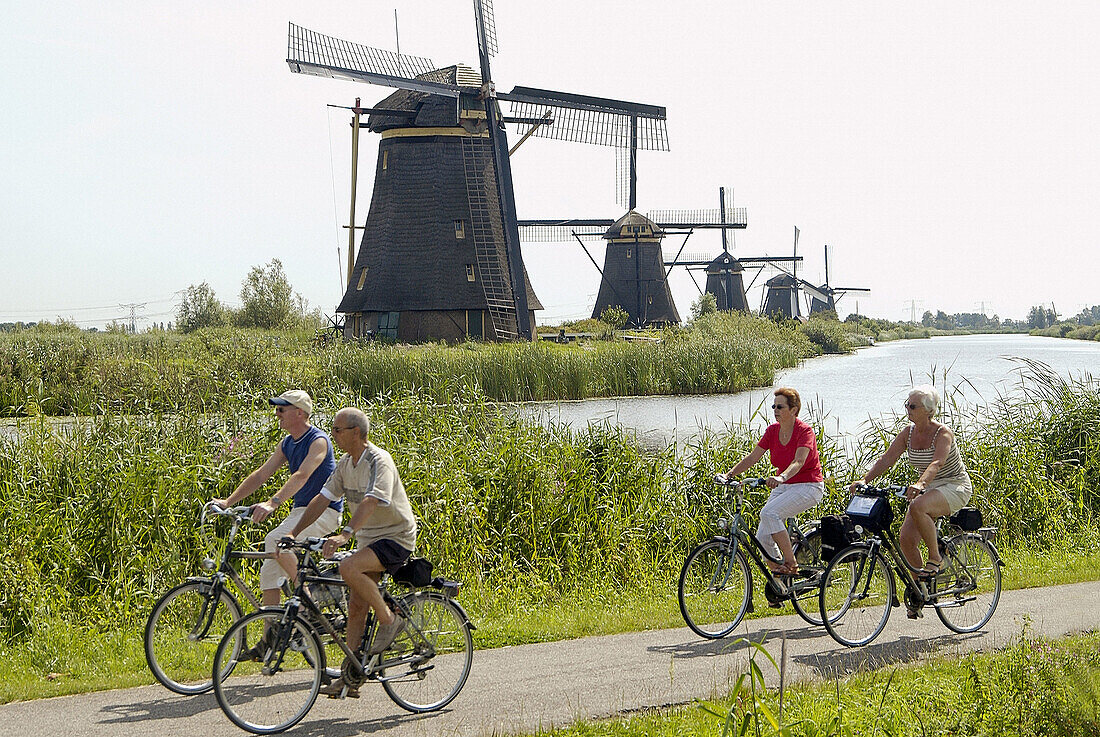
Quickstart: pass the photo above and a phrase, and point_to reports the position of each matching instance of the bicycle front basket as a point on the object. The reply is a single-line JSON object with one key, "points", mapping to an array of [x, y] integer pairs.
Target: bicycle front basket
{"points": [[873, 513]]}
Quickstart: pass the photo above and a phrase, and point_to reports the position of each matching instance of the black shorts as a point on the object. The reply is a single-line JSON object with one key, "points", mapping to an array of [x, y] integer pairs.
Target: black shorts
{"points": [[391, 555]]}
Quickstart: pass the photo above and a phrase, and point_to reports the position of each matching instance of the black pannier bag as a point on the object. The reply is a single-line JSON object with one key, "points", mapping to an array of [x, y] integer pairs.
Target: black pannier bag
{"points": [[871, 512], [967, 518], [416, 572], [837, 533]]}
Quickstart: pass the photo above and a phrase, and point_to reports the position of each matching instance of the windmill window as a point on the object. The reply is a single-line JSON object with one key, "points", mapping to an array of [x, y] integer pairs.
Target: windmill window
{"points": [[629, 252], [469, 272], [460, 230], [362, 280], [385, 160], [387, 324]]}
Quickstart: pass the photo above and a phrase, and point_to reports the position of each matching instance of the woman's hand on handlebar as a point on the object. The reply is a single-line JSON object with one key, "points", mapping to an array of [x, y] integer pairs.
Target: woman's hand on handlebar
{"points": [[773, 481]]}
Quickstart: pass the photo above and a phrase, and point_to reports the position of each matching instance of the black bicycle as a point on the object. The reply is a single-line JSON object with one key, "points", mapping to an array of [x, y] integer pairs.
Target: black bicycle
{"points": [[423, 670], [187, 623], [715, 590], [858, 589]]}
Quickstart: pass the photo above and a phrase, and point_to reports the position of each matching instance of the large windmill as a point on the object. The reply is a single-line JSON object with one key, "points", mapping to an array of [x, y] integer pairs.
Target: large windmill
{"points": [[440, 254]]}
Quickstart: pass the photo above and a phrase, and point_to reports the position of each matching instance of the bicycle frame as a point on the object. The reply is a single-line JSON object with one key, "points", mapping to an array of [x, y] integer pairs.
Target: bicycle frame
{"points": [[738, 534]]}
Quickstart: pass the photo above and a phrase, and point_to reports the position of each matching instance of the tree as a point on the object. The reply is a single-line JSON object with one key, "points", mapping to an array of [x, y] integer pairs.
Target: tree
{"points": [[707, 304], [267, 299], [1040, 317], [928, 320], [200, 308], [615, 316]]}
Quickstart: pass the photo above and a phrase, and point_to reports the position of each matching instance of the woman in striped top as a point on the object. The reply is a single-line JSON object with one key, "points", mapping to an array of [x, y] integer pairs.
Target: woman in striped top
{"points": [[943, 486]]}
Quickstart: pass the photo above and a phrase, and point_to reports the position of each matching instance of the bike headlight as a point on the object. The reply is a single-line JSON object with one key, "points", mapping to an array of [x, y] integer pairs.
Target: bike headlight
{"points": [[208, 564], [723, 523]]}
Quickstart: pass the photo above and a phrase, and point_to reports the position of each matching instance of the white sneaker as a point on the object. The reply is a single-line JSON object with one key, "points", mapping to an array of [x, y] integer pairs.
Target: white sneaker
{"points": [[386, 634]]}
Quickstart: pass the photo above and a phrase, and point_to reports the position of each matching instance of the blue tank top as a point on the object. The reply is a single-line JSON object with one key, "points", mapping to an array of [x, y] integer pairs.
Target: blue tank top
{"points": [[296, 452]]}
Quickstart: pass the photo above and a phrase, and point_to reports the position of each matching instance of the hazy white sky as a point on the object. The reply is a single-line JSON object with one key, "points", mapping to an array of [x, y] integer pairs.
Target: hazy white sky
{"points": [[946, 151]]}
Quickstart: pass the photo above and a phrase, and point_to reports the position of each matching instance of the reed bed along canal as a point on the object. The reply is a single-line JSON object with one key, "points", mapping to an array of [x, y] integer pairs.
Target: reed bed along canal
{"points": [[101, 516]]}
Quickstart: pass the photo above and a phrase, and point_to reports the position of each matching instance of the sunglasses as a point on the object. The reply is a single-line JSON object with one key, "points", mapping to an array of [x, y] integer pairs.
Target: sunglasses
{"points": [[780, 406], [910, 405]]}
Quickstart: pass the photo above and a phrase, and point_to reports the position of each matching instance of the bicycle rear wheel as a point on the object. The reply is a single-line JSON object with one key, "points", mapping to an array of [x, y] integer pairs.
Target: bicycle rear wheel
{"points": [[183, 632], [715, 588], [439, 648], [804, 598], [274, 695], [974, 569], [856, 595]]}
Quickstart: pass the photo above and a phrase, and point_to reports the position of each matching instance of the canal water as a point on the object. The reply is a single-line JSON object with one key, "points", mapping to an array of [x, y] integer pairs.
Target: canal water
{"points": [[843, 392]]}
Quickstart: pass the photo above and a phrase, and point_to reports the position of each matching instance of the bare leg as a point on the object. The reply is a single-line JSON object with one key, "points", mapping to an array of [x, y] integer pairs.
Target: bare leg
{"points": [[920, 524], [783, 540], [362, 571]]}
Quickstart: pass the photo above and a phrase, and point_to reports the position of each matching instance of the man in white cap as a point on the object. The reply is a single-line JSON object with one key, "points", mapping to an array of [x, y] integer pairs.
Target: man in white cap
{"points": [[307, 451]]}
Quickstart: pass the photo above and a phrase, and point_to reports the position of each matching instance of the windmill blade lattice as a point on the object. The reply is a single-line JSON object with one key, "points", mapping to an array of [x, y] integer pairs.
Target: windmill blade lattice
{"points": [[309, 52], [733, 217], [594, 120], [483, 10]]}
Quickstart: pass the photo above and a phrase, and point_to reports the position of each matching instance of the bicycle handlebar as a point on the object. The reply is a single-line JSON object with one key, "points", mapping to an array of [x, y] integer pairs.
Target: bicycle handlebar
{"points": [[897, 490], [750, 483], [311, 543], [238, 514]]}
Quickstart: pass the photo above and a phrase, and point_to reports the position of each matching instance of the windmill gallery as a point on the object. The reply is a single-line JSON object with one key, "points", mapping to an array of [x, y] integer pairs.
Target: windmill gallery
{"points": [[439, 257]]}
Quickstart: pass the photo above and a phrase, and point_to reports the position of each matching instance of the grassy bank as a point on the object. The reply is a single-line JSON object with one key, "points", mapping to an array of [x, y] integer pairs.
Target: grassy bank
{"points": [[1033, 688], [101, 518], [57, 373]]}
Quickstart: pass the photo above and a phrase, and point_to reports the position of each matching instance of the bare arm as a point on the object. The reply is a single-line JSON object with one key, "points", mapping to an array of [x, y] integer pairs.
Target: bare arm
{"points": [[313, 511], [747, 462], [358, 520], [318, 449], [887, 460], [255, 480], [800, 456]]}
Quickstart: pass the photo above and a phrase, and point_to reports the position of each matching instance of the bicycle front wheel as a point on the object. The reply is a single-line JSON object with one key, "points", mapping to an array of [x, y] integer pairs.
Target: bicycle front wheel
{"points": [[857, 592], [183, 632], [973, 572], [273, 695], [715, 589], [435, 654], [804, 597]]}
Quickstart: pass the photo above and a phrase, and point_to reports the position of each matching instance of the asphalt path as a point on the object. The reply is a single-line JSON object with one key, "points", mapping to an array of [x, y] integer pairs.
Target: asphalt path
{"points": [[525, 688]]}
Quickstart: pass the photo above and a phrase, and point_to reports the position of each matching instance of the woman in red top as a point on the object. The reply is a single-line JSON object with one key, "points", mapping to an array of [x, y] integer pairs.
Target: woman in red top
{"points": [[798, 483]]}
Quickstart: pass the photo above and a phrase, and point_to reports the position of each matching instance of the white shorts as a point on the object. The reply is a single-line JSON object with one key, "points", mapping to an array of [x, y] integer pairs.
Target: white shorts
{"points": [[957, 492], [272, 574], [786, 500]]}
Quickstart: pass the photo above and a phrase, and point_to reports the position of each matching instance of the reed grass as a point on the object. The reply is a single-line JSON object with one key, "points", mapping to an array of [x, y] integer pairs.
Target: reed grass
{"points": [[71, 373]]}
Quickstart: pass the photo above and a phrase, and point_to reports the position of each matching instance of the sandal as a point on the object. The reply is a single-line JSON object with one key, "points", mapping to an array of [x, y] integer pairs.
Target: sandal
{"points": [[931, 569]]}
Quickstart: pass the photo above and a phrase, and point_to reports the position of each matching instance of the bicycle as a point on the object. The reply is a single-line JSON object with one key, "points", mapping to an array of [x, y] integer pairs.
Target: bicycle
{"points": [[716, 581], [423, 670], [186, 625], [858, 589]]}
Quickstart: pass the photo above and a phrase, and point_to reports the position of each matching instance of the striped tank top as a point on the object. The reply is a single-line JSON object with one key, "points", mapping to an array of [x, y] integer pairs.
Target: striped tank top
{"points": [[919, 458]]}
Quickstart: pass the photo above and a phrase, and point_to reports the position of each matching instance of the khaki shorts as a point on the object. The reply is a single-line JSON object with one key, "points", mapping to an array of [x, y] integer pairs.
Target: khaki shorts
{"points": [[957, 492]]}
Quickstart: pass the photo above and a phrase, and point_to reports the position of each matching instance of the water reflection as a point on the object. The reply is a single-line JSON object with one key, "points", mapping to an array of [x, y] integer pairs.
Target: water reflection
{"points": [[844, 392]]}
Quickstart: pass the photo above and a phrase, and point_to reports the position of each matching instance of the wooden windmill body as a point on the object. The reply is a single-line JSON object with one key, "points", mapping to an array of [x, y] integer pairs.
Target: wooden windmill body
{"points": [[440, 254]]}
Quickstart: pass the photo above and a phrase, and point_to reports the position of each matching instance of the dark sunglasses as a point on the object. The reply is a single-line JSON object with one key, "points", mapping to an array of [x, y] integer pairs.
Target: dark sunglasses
{"points": [[780, 406], [910, 405]]}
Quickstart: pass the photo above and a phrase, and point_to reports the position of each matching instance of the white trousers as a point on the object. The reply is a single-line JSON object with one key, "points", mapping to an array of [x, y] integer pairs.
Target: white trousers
{"points": [[786, 500], [272, 574]]}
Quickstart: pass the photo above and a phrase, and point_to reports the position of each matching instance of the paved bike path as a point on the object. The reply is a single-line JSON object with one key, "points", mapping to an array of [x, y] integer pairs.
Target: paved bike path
{"points": [[524, 688]]}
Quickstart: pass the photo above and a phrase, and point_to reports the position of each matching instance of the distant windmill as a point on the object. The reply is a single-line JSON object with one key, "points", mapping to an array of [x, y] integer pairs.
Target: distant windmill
{"points": [[634, 276], [440, 254], [831, 294]]}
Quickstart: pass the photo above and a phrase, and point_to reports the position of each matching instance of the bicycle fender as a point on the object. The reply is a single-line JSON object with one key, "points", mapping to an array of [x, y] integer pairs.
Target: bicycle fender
{"points": [[465, 616]]}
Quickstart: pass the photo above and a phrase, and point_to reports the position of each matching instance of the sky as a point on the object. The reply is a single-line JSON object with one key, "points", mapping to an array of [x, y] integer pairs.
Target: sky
{"points": [[946, 152]]}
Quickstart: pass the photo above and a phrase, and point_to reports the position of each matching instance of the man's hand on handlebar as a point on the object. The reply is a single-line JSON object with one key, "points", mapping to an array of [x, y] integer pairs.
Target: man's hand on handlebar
{"points": [[262, 511]]}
